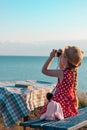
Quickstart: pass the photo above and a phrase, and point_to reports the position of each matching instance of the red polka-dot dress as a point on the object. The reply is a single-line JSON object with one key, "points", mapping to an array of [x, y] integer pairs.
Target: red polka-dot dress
{"points": [[65, 95]]}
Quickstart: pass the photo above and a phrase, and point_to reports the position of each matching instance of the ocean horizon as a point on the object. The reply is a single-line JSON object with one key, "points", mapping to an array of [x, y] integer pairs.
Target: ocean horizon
{"points": [[20, 68]]}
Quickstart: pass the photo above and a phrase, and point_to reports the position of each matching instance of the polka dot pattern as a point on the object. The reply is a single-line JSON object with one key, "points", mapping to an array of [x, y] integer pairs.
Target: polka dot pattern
{"points": [[64, 95]]}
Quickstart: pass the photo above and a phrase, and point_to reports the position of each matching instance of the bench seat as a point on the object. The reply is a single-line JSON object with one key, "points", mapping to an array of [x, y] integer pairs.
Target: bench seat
{"points": [[71, 123]]}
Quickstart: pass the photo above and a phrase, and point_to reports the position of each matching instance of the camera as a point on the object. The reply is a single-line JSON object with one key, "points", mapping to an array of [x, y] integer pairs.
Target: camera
{"points": [[49, 96], [59, 52]]}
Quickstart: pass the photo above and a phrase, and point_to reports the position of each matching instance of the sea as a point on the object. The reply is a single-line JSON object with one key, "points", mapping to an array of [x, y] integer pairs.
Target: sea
{"points": [[22, 68]]}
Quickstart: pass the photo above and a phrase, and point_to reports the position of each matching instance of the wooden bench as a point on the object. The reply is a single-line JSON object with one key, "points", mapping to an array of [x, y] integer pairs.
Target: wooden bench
{"points": [[71, 123]]}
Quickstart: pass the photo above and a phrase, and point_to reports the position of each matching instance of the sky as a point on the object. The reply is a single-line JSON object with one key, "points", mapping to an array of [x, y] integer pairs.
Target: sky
{"points": [[34, 27]]}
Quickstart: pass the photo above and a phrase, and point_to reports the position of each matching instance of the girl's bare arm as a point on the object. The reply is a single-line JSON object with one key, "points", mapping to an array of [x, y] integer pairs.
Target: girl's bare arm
{"points": [[46, 68]]}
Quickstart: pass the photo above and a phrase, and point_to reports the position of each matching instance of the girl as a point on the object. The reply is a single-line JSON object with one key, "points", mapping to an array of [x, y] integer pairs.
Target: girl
{"points": [[65, 93]]}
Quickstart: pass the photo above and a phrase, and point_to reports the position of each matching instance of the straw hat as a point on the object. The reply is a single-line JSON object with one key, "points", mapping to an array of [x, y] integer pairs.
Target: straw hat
{"points": [[74, 55]]}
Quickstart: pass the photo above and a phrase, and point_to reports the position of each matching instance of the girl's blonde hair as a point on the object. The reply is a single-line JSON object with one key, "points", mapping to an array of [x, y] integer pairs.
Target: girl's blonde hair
{"points": [[75, 75], [74, 58], [74, 55], [75, 79]]}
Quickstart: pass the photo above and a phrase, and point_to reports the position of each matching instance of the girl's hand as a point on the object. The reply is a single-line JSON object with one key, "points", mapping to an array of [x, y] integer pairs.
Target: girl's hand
{"points": [[53, 53]]}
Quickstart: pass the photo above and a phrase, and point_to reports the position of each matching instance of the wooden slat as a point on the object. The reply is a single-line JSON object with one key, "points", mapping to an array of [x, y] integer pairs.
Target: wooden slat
{"points": [[28, 123], [41, 124], [36, 123]]}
